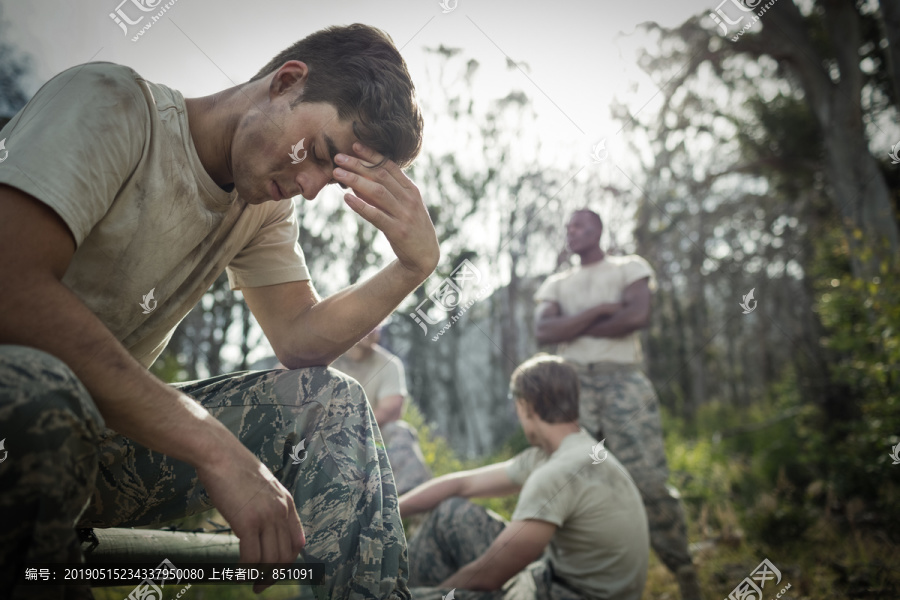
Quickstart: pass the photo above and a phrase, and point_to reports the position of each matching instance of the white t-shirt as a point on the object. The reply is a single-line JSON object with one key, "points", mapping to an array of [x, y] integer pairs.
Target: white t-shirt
{"points": [[602, 545], [112, 155], [381, 374], [580, 288]]}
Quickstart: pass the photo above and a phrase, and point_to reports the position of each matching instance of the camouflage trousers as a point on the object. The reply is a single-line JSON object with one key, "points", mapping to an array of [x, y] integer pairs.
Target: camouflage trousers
{"points": [[65, 469], [405, 455], [457, 532], [618, 403]]}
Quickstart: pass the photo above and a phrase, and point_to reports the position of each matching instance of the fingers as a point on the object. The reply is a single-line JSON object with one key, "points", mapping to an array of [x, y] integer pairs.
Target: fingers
{"points": [[370, 158], [250, 548], [280, 539], [297, 535], [381, 186]]}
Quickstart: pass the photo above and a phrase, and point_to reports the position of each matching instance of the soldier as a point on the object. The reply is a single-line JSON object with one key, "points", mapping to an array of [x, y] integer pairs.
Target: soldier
{"points": [[382, 376], [576, 502], [594, 311], [120, 203]]}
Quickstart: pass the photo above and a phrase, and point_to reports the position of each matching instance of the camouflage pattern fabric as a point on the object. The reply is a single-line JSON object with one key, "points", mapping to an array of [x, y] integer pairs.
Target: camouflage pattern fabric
{"points": [[405, 455], [457, 532], [66, 470], [619, 403]]}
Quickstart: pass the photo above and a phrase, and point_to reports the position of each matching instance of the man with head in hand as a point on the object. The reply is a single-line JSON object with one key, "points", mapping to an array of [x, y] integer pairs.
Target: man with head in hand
{"points": [[578, 531], [594, 312], [117, 189]]}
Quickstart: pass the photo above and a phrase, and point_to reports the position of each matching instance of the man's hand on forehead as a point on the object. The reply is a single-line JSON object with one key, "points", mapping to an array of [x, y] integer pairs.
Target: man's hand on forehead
{"points": [[388, 199]]}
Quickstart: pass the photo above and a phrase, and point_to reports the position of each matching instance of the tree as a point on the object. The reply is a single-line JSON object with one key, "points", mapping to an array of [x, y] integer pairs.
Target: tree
{"points": [[830, 55]]}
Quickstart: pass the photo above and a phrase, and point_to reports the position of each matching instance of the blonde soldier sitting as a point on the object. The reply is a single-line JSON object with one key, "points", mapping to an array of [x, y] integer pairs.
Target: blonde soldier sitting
{"points": [[594, 312], [579, 529]]}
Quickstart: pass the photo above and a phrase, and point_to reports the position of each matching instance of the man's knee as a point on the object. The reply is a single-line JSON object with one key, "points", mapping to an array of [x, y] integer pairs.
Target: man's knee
{"points": [[330, 408], [42, 398]]}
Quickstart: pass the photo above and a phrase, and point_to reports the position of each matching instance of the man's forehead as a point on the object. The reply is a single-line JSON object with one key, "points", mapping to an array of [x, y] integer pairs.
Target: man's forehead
{"points": [[580, 217]]}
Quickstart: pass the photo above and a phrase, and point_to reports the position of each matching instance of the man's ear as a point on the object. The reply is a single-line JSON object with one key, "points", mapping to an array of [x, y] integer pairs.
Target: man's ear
{"points": [[526, 408], [289, 78]]}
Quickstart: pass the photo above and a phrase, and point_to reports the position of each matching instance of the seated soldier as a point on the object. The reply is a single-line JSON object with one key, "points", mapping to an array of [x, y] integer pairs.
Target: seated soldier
{"points": [[382, 377], [578, 531]]}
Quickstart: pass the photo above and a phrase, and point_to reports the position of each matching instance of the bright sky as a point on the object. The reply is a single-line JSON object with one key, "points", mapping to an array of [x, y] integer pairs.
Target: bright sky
{"points": [[579, 52], [576, 56]]}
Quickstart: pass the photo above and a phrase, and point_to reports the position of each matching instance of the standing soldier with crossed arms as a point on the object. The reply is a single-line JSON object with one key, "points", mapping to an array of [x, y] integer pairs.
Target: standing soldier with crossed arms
{"points": [[594, 311]]}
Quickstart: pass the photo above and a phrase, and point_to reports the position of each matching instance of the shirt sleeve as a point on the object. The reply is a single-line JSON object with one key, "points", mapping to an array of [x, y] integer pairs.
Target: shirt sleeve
{"points": [[544, 497], [638, 268], [273, 255], [522, 464], [393, 383], [548, 291], [77, 141]]}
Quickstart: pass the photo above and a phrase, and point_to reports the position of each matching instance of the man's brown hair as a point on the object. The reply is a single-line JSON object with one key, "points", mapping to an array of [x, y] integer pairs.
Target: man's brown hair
{"points": [[549, 386], [358, 70]]}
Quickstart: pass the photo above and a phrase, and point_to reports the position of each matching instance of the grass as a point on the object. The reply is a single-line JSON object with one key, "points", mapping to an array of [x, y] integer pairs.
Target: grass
{"points": [[735, 520]]}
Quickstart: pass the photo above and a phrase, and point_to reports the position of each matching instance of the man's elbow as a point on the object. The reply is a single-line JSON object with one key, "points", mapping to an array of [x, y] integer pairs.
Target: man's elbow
{"points": [[299, 358]]}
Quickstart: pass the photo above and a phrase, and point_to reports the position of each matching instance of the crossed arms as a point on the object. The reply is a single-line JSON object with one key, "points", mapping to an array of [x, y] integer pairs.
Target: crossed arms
{"points": [[610, 320], [520, 542]]}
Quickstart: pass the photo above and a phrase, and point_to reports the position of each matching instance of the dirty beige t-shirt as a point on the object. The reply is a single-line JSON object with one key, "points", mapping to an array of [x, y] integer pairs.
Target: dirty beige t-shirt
{"points": [[112, 155], [381, 374], [602, 544], [580, 288]]}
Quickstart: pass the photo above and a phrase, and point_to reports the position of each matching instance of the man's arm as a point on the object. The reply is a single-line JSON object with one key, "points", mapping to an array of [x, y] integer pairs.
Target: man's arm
{"points": [[552, 327], [487, 482], [306, 331], [634, 314], [519, 544], [388, 409], [38, 311]]}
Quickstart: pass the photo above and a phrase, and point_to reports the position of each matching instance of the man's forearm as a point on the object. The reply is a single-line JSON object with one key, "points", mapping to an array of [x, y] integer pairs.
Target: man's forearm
{"points": [[333, 325], [619, 324], [388, 409], [473, 576], [563, 328], [131, 400], [428, 495]]}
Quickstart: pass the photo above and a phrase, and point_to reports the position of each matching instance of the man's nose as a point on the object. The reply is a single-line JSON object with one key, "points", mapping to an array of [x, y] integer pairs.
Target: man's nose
{"points": [[313, 182]]}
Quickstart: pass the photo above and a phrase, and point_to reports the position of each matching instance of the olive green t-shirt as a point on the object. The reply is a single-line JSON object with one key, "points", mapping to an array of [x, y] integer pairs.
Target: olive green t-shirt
{"points": [[602, 544], [580, 288], [381, 374], [112, 155]]}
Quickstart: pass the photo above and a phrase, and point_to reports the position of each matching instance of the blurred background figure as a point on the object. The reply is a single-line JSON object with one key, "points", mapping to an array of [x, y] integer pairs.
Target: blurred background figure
{"points": [[382, 376], [594, 312]]}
